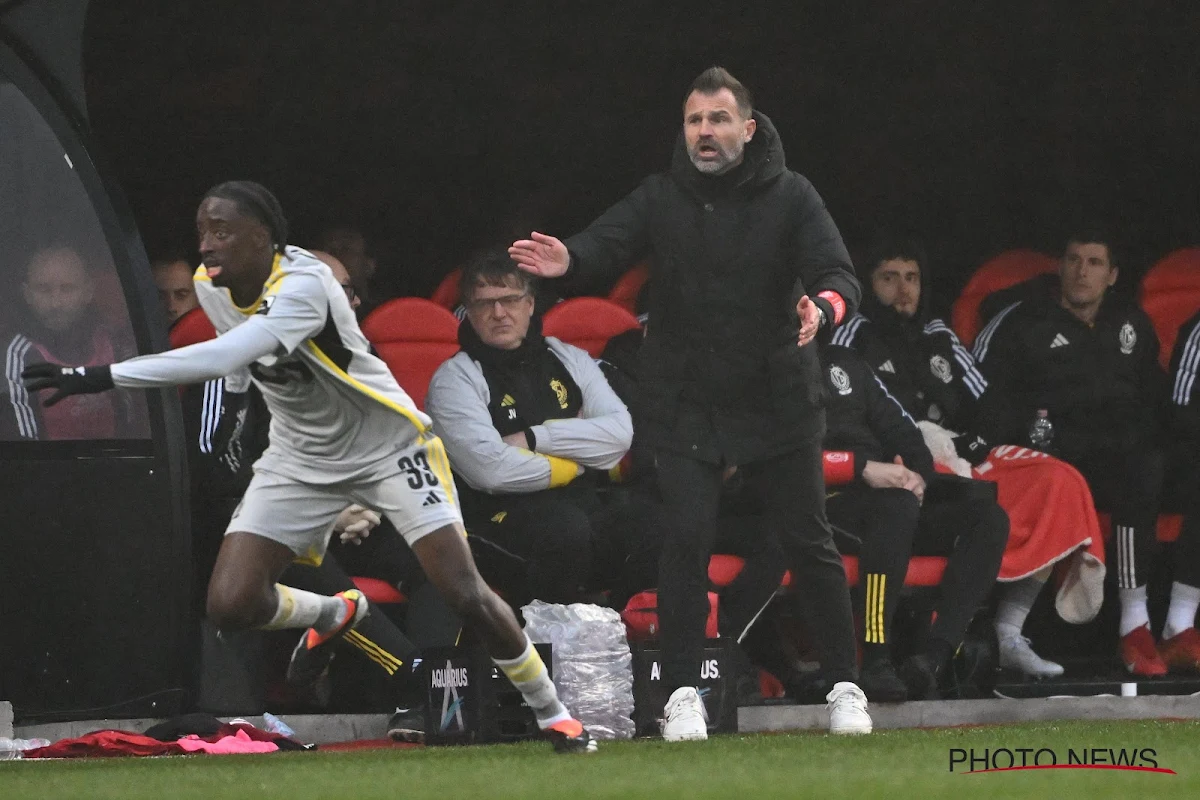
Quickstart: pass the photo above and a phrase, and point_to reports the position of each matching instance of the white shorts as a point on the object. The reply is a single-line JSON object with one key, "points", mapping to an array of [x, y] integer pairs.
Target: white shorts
{"points": [[418, 500]]}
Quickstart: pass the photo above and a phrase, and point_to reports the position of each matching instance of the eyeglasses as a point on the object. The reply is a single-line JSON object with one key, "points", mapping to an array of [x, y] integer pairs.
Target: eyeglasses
{"points": [[349, 290], [508, 302]]}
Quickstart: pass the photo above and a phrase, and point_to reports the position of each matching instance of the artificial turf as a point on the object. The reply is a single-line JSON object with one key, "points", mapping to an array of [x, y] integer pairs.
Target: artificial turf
{"points": [[891, 764]]}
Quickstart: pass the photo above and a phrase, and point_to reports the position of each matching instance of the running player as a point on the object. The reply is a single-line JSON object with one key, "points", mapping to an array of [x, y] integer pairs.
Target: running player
{"points": [[341, 428]]}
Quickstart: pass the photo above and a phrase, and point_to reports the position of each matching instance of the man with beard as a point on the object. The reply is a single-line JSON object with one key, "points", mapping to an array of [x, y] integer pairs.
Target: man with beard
{"points": [[934, 377], [61, 326], [743, 253]]}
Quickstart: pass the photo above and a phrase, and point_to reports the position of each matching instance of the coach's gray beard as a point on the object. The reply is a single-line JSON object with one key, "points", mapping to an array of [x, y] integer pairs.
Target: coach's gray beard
{"points": [[726, 162]]}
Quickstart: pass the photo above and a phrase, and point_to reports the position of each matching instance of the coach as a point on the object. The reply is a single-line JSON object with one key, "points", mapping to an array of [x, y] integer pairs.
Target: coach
{"points": [[742, 251]]}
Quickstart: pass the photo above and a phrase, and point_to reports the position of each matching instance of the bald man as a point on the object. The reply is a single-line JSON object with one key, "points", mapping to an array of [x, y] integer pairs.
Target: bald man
{"points": [[60, 325]]}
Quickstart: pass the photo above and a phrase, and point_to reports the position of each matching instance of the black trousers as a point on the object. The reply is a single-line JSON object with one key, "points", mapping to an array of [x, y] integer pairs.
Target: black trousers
{"points": [[558, 550], [892, 526], [794, 495], [1128, 485]]}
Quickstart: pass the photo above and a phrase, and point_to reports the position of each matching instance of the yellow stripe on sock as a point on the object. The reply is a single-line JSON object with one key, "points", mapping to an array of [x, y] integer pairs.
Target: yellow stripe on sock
{"points": [[389, 661], [386, 668], [879, 598], [527, 670], [869, 620]]}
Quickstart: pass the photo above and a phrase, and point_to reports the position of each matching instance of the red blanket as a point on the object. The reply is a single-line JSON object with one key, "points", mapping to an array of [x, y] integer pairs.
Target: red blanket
{"points": [[1052, 522]]}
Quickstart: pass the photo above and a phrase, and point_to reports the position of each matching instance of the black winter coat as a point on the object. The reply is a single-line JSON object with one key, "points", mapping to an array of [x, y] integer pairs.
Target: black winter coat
{"points": [[1102, 384], [720, 375]]}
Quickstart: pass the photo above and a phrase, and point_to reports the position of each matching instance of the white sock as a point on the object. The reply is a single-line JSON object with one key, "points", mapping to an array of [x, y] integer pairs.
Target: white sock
{"points": [[1182, 613], [1134, 613], [528, 674], [1014, 607], [297, 608]]}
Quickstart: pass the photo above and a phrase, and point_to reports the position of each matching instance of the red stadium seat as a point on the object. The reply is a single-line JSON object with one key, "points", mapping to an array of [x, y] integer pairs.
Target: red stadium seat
{"points": [[627, 288], [922, 570], [587, 322], [641, 613], [413, 336], [1007, 269], [1170, 294], [446, 293], [192, 328], [379, 591]]}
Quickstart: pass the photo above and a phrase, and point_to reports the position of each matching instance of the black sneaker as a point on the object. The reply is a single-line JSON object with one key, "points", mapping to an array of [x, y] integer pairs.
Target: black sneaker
{"points": [[407, 725], [881, 684], [920, 677], [570, 736], [314, 651]]}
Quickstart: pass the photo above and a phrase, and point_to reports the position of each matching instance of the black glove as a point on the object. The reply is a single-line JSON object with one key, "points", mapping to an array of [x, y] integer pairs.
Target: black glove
{"points": [[66, 380], [972, 447]]}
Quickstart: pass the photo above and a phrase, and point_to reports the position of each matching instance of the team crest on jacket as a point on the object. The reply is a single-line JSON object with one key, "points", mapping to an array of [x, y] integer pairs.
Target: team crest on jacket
{"points": [[940, 368], [1128, 339], [560, 392], [839, 379]]}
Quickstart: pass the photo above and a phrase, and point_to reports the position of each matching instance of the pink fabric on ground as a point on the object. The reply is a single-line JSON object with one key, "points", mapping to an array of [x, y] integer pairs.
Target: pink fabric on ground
{"points": [[238, 743]]}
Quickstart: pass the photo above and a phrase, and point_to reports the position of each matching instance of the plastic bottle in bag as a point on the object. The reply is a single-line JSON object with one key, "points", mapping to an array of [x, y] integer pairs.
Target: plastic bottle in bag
{"points": [[593, 668]]}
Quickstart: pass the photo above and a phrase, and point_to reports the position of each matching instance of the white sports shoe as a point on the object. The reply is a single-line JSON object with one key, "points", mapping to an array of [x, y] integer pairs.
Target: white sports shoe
{"points": [[847, 709], [1016, 654], [686, 719]]}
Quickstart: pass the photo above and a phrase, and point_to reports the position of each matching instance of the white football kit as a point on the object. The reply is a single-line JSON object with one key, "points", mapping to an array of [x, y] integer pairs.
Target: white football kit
{"points": [[341, 427]]}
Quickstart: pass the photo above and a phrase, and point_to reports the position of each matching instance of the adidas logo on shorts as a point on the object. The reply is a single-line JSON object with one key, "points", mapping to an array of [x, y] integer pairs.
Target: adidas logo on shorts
{"points": [[431, 499]]}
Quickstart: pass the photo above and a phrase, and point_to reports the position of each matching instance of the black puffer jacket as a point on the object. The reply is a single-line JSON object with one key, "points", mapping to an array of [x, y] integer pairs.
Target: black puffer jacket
{"points": [[721, 376]]}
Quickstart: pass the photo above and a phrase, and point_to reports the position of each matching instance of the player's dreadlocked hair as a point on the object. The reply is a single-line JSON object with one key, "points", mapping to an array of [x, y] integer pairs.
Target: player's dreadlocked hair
{"points": [[257, 201]]}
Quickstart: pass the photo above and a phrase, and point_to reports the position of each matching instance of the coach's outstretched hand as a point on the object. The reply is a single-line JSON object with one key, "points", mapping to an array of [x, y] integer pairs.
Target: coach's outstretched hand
{"points": [[542, 255], [66, 380]]}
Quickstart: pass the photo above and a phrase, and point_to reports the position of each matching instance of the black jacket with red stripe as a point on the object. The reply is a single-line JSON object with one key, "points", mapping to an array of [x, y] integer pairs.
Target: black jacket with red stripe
{"points": [[721, 378]]}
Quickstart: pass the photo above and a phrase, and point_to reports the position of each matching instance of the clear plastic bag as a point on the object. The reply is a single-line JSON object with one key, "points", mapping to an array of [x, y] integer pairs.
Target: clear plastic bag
{"points": [[593, 668]]}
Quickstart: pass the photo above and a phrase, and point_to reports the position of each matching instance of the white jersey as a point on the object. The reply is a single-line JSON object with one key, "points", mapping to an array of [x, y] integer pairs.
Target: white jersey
{"points": [[337, 413]]}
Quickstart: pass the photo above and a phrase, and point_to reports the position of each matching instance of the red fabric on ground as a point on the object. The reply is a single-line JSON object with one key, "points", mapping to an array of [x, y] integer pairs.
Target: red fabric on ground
{"points": [[1052, 521], [106, 744]]}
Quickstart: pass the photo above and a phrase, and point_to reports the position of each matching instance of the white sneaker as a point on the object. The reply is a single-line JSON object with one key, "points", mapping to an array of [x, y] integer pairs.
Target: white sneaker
{"points": [[1016, 654], [847, 709], [686, 719]]}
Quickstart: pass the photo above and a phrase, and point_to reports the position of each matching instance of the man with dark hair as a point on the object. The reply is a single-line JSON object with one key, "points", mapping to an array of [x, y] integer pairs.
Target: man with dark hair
{"points": [[1074, 370], [528, 421], [341, 428], [927, 369], [885, 490], [742, 253], [176, 291]]}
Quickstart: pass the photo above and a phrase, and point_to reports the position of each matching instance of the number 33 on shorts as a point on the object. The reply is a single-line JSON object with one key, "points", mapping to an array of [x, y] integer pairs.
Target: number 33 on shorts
{"points": [[420, 474]]}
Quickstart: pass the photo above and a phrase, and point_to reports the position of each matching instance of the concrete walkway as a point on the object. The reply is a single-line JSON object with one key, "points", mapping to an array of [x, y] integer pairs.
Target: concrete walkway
{"points": [[949, 713], [331, 728]]}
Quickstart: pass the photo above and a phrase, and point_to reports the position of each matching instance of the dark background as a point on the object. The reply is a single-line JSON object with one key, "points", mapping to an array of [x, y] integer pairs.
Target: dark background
{"points": [[442, 126]]}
